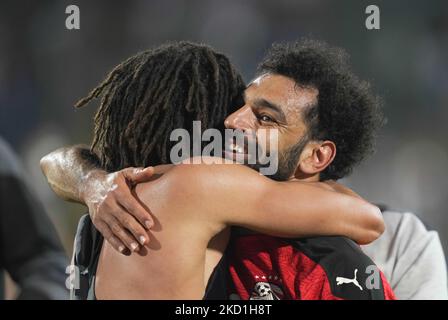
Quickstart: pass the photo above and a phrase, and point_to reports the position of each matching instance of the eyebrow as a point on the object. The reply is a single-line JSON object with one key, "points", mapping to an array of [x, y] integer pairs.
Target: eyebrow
{"points": [[263, 103]]}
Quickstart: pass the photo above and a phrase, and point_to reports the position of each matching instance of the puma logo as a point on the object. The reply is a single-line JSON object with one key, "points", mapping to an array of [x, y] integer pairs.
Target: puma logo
{"points": [[341, 280]]}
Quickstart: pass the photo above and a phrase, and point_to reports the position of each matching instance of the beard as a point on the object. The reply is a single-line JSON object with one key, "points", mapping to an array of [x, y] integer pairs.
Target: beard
{"points": [[287, 161]]}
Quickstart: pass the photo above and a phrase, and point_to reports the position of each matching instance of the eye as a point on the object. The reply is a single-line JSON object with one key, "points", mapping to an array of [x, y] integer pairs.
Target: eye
{"points": [[265, 118]]}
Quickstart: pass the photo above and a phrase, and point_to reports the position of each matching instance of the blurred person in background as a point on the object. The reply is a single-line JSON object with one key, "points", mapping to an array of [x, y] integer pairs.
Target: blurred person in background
{"points": [[411, 257], [30, 250]]}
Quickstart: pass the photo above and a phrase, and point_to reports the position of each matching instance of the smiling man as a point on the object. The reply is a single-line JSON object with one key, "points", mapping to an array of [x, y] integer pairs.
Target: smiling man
{"points": [[273, 101], [325, 118]]}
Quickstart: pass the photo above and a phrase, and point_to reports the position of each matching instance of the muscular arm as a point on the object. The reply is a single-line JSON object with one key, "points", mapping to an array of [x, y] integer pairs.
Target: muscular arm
{"points": [[68, 169], [224, 195], [74, 175]]}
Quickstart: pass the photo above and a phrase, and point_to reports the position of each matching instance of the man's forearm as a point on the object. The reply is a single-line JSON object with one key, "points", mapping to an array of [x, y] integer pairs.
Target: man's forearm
{"points": [[74, 174], [67, 170]]}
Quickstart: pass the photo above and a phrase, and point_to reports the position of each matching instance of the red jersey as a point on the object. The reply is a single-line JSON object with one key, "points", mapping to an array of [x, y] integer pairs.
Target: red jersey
{"points": [[321, 268]]}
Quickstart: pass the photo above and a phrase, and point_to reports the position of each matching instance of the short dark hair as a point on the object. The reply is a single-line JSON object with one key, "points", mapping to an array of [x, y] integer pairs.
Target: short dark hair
{"points": [[347, 112], [156, 91]]}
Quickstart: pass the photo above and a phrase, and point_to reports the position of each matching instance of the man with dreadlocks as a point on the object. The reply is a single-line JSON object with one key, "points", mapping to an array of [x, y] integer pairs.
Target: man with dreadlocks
{"points": [[174, 85], [144, 99]]}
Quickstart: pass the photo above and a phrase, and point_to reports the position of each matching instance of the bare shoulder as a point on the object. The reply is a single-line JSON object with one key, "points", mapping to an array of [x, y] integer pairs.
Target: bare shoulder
{"points": [[203, 185], [194, 195], [211, 170]]}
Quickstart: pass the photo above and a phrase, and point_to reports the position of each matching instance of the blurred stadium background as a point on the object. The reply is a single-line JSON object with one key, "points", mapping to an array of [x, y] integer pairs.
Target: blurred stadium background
{"points": [[45, 68]]}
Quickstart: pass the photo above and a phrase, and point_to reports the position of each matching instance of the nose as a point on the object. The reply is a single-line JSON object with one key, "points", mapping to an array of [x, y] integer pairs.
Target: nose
{"points": [[242, 119]]}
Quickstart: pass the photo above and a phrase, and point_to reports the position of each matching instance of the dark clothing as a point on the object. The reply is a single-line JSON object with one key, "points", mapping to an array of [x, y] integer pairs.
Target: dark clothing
{"points": [[88, 242], [30, 250], [86, 252]]}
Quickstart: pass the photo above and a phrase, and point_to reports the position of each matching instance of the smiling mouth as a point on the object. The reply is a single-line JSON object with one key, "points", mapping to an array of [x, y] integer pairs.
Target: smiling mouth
{"points": [[233, 147], [234, 151]]}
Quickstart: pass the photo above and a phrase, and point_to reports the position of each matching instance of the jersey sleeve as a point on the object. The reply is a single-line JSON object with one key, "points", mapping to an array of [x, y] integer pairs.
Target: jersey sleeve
{"points": [[349, 273]]}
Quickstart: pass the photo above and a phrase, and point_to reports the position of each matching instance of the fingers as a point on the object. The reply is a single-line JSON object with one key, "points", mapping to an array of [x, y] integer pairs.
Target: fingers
{"points": [[121, 217], [130, 205], [121, 233], [127, 199], [116, 243], [138, 175], [136, 210], [131, 224]]}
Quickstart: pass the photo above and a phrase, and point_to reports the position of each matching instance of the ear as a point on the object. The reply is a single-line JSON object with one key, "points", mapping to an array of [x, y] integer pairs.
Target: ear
{"points": [[317, 156]]}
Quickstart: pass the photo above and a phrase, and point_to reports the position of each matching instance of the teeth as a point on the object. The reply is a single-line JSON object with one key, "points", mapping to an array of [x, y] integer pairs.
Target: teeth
{"points": [[236, 148]]}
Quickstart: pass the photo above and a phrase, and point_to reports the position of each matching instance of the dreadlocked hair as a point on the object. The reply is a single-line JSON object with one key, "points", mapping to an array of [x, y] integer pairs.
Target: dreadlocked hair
{"points": [[154, 92]]}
